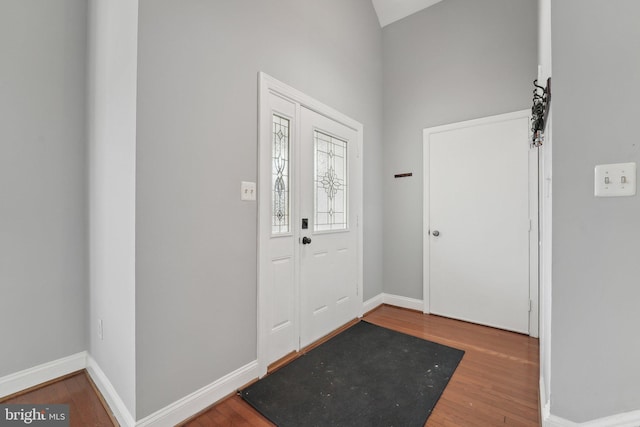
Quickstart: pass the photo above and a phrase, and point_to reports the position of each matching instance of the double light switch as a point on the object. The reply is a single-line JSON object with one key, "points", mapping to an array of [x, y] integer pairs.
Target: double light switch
{"points": [[247, 190], [615, 180]]}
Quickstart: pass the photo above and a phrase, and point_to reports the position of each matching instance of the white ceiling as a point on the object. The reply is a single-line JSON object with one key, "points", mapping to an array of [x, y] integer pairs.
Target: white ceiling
{"points": [[393, 10]]}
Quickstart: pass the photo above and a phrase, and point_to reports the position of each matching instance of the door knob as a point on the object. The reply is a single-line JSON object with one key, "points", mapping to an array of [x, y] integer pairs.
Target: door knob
{"points": [[306, 240], [436, 233]]}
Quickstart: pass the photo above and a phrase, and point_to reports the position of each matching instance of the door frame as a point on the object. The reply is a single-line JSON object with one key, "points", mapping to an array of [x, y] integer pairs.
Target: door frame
{"points": [[534, 237], [268, 86]]}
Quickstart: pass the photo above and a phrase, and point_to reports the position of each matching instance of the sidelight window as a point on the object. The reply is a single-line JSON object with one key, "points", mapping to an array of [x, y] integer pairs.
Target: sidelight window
{"points": [[280, 176]]}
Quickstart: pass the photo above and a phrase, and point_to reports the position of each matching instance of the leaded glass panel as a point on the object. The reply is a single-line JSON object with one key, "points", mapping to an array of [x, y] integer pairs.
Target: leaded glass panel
{"points": [[331, 187], [280, 176]]}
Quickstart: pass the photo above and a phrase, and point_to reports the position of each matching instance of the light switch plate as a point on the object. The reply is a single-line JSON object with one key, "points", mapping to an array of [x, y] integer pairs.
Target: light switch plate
{"points": [[615, 180], [247, 190]]}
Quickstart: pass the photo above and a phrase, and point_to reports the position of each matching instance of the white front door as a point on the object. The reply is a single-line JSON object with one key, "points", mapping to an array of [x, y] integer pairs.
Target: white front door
{"points": [[480, 224], [310, 240], [329, 185]]}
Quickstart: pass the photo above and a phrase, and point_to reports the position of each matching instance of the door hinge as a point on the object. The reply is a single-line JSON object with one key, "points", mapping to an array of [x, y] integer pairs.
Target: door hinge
{"points": [[530, 305], [530, 224]]}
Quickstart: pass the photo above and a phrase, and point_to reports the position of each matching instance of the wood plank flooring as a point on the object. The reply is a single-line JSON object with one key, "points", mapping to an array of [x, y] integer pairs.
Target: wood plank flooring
{"points": [[85, 406], [496, 384]]}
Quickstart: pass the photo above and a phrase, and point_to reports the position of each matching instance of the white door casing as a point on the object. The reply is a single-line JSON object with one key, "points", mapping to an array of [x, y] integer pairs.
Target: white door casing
{"points": [[285, 266], [480, 197]]}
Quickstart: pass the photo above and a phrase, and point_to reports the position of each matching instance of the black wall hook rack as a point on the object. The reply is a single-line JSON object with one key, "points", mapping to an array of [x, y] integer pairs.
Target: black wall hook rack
{"points": [[540, 111]]}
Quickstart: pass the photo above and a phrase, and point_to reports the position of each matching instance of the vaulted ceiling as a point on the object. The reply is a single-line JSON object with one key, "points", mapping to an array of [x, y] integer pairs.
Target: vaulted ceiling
{"points": [[393, 10]]}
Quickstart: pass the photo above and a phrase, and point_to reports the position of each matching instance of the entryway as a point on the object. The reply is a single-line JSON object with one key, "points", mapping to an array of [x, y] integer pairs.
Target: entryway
{"points": [[496, 383]]}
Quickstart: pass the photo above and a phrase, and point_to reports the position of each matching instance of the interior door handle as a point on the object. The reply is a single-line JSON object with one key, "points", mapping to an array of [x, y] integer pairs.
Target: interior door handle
{"points": [[306, 240], [436, 233]]}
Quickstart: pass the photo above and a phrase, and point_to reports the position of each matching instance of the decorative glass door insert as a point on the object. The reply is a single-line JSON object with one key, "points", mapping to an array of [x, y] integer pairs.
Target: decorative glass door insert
{"points": [[280, 176], [331, 187]]}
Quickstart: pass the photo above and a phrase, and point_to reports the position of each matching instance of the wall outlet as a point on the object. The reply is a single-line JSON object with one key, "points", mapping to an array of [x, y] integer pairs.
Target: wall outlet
{"points": [[615, 180], [247, 190], [100, 330]]}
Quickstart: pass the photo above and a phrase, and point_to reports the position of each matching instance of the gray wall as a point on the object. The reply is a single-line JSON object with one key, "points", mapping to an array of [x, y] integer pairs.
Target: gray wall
{"points": [[197, 139], [43, 289], [454, 61], [596, 241]]}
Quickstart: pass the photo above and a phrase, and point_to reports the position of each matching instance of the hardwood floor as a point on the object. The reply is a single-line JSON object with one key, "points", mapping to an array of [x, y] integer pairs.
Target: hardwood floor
{"points": [[85, 406], [496, 384]]}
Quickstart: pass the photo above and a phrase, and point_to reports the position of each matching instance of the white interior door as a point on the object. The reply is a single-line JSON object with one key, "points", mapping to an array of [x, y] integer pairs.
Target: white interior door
{"points": [[309, 168], [329, 246], [479, 221]]}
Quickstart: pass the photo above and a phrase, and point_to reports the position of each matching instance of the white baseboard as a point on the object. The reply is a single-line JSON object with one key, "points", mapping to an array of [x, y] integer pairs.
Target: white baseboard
{"points": [[553, 421], [544, 402], [372, 303], [110, 394], [167, 416], [31, 377], [395, 300], [190, 405], [627, 419], [404, 302]]}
